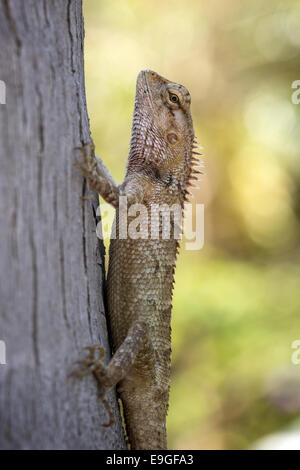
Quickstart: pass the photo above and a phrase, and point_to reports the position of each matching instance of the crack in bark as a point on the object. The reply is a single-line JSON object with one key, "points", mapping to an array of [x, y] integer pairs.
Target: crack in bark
{"points": [[55, 213], [70, 34], [46, 13], [39, 183], [63, 281], [13, 24], [40, 117], [35, 292], [85, 257]]}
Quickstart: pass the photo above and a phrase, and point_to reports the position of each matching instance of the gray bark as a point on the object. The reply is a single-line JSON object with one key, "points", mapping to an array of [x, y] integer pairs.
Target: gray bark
{"points": [[51, 261]]}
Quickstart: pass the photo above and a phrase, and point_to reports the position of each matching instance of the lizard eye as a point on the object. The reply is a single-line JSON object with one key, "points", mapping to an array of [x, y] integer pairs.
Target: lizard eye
{"points": [[174, 98]]}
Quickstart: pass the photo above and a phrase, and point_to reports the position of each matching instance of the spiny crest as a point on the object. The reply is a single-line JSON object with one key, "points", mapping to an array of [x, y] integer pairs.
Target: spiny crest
{"points": [[191, 174], [192, 170]]}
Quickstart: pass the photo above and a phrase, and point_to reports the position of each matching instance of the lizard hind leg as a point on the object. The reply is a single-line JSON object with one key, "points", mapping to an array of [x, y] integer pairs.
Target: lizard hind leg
{"points": [[92, 364], [118, 367], [101, 372]]}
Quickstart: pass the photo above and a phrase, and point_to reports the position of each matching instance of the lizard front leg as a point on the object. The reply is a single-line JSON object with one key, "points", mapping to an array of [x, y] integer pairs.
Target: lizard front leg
{"points": [[98, 176], [123, 359]]}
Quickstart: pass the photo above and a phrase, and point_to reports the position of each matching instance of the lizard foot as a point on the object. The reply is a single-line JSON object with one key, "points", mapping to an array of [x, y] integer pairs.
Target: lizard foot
{"points": [[92, 364], [94, 170], [88, 163]]}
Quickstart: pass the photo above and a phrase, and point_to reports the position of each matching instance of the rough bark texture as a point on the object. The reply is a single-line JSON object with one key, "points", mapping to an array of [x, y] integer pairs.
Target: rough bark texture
{"points": [[51, 262]]}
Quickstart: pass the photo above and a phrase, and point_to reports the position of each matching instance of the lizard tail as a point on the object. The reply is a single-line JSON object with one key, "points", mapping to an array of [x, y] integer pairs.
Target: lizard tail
{"points": [[145, 422]]}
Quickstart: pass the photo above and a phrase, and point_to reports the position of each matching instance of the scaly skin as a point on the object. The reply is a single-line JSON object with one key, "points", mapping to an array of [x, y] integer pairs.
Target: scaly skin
{"points": [[141, 271]]}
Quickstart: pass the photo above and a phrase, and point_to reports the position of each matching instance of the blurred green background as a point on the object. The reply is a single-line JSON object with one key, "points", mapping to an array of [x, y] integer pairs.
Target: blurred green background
{"points": [[236, 302]]}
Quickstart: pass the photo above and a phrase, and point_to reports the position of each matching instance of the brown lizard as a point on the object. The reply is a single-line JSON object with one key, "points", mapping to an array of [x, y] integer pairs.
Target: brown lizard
{"points": [[160, 167]]}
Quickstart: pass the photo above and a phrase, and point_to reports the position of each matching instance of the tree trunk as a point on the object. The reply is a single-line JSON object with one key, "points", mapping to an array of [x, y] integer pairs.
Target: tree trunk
{"points": [[52, 268]]}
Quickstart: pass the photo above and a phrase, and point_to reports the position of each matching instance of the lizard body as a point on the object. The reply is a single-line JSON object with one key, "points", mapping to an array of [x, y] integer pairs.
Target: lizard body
{"points": [[141, 269]]}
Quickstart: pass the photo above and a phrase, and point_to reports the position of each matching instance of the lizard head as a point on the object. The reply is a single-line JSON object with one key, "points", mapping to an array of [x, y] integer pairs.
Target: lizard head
{"points": [[162, 131], [170, 103]]}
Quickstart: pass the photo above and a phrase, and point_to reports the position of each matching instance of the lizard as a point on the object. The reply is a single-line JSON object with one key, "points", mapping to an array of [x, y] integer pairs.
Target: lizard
{"points": [[162, 162]]}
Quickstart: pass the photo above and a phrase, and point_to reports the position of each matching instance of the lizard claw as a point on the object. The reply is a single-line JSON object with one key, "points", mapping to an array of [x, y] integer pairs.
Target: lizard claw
{"points": [[90, 363], [88, 156], [88, 164], [109, 412]]}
